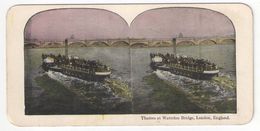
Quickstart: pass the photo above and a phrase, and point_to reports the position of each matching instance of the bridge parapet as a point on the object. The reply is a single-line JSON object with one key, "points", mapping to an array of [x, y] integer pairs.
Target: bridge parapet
{"points": [[138, 42], [203, 40]]}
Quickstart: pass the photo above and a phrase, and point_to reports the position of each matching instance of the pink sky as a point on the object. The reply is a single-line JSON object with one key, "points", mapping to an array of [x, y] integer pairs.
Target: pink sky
{"points": [[101, 24]]}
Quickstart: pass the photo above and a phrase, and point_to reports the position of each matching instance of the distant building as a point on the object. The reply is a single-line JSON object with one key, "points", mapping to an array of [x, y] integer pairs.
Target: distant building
{"points": [[180, 35]]}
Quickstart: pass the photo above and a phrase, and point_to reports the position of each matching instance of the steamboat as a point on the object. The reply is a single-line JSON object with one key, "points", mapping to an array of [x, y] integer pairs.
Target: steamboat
{"points": [[182, 65], [90, 70]]}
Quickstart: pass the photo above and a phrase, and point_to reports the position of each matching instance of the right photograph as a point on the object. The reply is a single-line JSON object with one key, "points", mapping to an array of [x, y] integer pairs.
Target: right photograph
{"points": [[183, 60]]}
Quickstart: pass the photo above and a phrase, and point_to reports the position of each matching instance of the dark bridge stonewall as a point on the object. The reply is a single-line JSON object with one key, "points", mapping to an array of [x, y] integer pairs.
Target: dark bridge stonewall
{"points": [[136, 42]]}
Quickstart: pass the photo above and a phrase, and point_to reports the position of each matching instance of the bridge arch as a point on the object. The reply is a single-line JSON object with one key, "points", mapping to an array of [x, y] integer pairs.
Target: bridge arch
{"points": [[157, 43], [30, 45], [228, 41], [77, 44], [139, 44], [99, 43], [161, 43], [208, 42], [166, 43], [54, 44], [186, 42], [120, 43]]}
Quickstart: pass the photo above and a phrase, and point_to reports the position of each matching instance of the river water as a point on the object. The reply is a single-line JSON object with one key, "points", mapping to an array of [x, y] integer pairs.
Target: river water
{"points": [[132, 64]]}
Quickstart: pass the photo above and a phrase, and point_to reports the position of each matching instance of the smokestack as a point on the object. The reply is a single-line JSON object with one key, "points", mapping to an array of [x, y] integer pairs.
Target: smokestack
{"points": [[66, 48], [174, 46]]}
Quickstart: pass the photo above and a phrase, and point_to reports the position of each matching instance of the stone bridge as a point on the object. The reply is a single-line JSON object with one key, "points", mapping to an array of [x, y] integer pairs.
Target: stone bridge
{"points": [[143, 42], [205, 40]]}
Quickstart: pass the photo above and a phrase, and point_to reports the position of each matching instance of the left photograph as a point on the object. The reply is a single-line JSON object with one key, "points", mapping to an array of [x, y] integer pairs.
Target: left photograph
{"points": [[70, 65]]}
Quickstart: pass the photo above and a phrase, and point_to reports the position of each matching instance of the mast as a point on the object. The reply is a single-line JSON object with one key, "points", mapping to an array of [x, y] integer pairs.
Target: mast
{"points": [[66, 48], [174, 46]]}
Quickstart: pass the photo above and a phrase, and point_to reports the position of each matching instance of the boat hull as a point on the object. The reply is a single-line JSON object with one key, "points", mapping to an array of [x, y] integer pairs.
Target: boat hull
{"points": [[89, 76], [205, 75]]}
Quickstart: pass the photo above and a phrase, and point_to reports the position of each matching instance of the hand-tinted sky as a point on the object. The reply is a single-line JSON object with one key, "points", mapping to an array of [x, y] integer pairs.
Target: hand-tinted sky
{"points": [[191, 22], [81, 23], [101, 24]]}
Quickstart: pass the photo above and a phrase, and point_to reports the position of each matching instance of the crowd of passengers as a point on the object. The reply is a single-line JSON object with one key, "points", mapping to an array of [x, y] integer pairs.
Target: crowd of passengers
{"points": [[75, 61], [186, 61]]}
